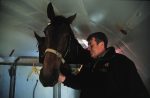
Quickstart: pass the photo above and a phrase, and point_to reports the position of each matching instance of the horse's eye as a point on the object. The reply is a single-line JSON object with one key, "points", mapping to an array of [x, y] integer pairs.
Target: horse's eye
{"points": [[42, 56]]}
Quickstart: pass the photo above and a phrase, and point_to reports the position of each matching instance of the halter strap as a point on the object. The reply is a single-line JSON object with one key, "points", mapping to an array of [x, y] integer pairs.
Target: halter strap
{"points": [[57, 53]]}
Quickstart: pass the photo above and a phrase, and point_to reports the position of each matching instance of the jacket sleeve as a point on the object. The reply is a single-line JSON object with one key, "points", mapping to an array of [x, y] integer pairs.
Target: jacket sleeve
{"points": [[128, 79], [137, 86], [72, 80]]}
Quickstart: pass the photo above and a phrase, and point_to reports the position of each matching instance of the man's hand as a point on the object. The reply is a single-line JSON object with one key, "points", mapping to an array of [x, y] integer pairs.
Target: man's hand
{"points": [[61, 78]]}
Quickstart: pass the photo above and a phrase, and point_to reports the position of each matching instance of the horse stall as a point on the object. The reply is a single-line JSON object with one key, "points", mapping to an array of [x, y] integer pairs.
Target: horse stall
{"points": [[28, 30], [19, 78]]}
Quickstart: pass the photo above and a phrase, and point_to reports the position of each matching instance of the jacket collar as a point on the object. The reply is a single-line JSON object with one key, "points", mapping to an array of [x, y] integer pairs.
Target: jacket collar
{"points": [[108, 54], [101, 62]]}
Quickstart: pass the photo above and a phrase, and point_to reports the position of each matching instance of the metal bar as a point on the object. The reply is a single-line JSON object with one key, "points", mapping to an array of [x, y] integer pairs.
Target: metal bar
{"points": [[21, 61], [20, 64], [12, 73]]}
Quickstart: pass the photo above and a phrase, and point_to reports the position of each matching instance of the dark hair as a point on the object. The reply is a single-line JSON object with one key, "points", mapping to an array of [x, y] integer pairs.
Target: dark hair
{"points": [[99, 36]]}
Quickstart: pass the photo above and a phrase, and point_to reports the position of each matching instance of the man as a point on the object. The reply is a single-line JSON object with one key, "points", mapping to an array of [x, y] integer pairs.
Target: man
{"points": [[107, 75]]}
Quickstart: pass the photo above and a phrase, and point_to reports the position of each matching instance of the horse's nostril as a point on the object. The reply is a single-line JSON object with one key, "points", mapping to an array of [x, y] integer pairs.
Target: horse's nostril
{"points": [[48, 78]]}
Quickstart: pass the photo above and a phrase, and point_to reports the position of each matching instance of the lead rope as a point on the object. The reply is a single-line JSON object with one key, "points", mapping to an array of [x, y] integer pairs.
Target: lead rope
{"points": [[35, 71]]}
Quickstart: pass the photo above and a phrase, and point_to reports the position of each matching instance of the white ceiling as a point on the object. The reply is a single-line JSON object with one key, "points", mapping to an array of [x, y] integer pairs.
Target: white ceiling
{"points": [[19, 18]]}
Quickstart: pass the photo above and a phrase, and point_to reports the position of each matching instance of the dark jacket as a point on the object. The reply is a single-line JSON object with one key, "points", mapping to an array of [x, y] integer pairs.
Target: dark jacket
{"points": [[111, 76]]}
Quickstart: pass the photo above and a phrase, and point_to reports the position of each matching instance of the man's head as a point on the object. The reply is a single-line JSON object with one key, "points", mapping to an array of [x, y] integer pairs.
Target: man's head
{"points": [[97, 44]]}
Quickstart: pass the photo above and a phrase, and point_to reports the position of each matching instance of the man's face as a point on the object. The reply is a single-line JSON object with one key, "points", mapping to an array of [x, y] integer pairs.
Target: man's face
{"points": [[96, 49]]}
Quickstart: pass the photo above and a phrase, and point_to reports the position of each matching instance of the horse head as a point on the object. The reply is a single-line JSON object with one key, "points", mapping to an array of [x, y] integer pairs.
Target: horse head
{"points": [[58, 47], [56, 41]]}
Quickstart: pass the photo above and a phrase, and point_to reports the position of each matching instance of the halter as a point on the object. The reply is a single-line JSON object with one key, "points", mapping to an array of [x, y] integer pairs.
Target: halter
{"points": [[59, 55], [56, 53]]}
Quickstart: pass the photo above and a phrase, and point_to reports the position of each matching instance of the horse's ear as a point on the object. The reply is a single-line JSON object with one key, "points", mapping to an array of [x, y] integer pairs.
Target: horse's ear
{"points": [[50, 11], [71, 18], [37, 37]]}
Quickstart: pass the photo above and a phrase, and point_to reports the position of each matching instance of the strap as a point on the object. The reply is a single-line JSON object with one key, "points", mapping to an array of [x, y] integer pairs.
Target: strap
{"points": [[57, 53]]}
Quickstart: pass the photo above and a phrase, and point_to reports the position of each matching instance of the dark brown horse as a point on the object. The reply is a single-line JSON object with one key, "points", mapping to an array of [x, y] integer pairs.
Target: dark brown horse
{"points": [[58, 47]]}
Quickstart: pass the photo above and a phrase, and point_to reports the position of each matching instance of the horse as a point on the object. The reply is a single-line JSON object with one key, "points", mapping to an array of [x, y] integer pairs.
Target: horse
{"points": [[75, 51], [58, 47]]}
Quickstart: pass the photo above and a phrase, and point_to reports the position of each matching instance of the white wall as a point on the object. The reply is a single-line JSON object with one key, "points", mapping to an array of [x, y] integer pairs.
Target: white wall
{"points": [[24, 88]]}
